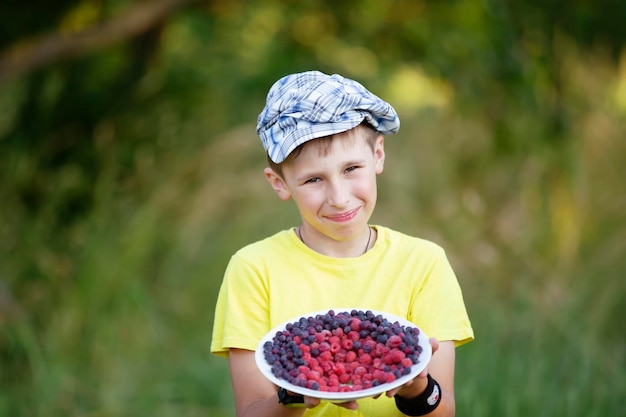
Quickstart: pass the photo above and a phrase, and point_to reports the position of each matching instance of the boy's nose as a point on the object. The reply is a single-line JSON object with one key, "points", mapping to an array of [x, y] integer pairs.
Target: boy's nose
{"points": [[338, 195]]}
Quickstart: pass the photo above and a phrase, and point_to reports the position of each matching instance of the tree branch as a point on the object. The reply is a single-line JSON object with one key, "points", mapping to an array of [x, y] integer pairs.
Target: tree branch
{"points": [[23, 58]]}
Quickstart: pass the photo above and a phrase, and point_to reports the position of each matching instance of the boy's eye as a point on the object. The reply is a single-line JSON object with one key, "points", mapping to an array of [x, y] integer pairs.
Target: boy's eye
{"points": [[312, 180], [352, 168]]}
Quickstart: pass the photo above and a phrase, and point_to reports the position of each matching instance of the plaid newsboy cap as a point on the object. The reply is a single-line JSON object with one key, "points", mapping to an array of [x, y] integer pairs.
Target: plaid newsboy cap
{"points": [[311, 104]]}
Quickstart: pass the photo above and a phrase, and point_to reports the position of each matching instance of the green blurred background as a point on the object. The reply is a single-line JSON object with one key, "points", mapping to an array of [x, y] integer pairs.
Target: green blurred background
{"points": [[130, 172]]}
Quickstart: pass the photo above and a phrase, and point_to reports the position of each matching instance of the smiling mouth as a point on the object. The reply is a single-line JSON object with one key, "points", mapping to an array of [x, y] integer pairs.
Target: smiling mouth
{"points": [[344, 217]]}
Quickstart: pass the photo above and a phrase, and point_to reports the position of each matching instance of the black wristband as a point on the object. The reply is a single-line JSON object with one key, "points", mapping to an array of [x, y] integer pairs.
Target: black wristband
{"points": [[289, 400], [424, 403]]}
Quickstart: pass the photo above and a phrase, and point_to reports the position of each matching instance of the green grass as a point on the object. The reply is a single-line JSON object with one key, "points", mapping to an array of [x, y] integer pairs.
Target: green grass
{"points": [[110, 314], [117, 320], [527, 363]]}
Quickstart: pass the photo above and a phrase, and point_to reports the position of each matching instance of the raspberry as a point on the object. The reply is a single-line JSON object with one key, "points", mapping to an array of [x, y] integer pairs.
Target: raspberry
{"points": [[347, 344], [353, 336], [355, 324], [344, 379], [406, 362], [394, 341], [379, 376], [394, 357], [313, 375], [360, 371], [340, 369], [365, 359], [333, 380]]}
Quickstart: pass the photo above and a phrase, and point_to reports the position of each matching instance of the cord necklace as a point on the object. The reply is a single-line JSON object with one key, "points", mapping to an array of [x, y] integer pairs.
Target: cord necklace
{"points": [[367, 246]]}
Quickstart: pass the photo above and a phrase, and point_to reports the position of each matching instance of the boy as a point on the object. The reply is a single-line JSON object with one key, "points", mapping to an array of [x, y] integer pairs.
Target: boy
{"points": [[324, 140]]}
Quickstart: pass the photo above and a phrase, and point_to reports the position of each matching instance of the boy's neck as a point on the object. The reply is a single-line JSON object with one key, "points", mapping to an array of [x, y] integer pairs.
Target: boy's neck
{"points": [[340, 254]]}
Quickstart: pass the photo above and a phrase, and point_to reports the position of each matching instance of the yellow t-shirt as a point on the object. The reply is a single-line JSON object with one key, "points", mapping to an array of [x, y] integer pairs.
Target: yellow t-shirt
{"points": [[279, 278]]}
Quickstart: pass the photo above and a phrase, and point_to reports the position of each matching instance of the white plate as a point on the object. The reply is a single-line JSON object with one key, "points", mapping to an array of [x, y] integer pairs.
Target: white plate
{"points": [[266, 369]]}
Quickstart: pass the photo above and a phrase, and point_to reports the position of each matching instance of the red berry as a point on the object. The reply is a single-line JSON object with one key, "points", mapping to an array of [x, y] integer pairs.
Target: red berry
{"points": [[380, 376], [394, 341], [355, 324], [360, 371], [347, 344], [340, 357], [365, 359], [406, 362]]}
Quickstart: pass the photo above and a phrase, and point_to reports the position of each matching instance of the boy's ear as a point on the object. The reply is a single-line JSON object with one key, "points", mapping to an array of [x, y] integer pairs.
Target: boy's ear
{"points": [[379, 153], [277, 183]]}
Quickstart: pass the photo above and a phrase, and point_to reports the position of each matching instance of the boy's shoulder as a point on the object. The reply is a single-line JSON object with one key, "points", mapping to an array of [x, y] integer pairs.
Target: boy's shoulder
{"points": [[396, 238], [279, 239]]}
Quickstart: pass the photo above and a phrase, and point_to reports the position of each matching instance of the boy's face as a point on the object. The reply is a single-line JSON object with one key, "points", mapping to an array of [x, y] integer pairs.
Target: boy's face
{"points": [[333, 183]]}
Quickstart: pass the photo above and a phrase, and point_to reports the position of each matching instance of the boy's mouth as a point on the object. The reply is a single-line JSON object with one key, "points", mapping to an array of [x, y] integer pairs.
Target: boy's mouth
{"points": [[345, 216]]}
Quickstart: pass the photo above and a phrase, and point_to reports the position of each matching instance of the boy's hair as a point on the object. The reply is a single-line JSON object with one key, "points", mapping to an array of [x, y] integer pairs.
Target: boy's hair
{"points": [[310, 105], [364, 130]]}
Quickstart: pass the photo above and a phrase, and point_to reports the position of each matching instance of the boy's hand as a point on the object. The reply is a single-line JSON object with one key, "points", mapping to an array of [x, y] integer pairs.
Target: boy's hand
{"points": [[311, 402]]}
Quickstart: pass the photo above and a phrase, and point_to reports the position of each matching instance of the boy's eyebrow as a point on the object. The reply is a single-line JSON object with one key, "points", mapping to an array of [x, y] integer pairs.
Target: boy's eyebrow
{"points": [[354, 161], [358, 161], [305, 175]]}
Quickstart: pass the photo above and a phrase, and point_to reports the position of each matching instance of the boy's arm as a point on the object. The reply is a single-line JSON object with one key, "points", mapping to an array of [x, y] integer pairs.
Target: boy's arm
{"points": [[441, 368], [255, 396]]}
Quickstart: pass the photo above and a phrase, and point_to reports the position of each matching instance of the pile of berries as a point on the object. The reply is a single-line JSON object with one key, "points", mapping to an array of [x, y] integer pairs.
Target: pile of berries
{"points": [[346, 351]]}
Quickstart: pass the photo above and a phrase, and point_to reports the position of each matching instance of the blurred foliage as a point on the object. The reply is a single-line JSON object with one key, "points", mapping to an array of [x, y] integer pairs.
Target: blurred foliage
{"points": [[130, 171]]}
